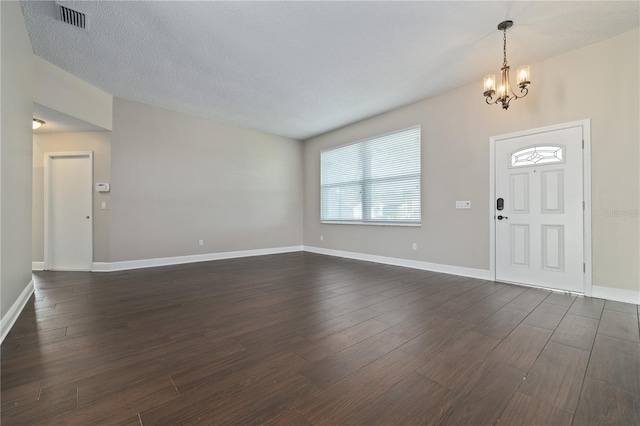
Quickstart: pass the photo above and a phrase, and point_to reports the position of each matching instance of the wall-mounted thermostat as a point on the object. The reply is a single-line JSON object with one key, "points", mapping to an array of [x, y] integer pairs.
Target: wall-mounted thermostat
{"points": [[102, 187]]}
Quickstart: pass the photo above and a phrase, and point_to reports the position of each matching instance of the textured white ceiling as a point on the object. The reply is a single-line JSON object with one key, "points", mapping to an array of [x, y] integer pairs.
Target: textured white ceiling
{"points": [[300, 69], [57, 122]]}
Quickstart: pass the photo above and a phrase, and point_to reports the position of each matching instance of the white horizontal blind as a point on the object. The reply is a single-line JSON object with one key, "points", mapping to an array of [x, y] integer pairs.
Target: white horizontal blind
{"points": [[373, 181]]}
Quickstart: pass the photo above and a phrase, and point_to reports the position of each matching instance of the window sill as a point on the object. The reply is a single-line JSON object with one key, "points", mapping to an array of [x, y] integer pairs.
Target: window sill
{"points": [[332, 222]]}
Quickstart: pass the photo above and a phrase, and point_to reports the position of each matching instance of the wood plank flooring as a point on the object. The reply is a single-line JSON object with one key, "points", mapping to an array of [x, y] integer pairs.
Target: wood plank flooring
{"points": [[305, 339]]}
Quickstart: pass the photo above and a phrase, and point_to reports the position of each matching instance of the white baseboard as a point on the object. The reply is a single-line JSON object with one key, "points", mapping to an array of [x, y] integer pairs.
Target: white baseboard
{"points": [[166, 261], [14, 312], [407, 263], [619, 295], [103, 267]]}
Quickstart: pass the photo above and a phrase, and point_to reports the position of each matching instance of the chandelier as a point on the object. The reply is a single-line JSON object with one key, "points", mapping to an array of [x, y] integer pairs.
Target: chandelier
{"points": [[505, 92]]}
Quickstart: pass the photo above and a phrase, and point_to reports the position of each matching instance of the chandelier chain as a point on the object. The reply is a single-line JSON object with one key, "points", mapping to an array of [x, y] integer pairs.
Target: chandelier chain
{"points": [[504, 47]]}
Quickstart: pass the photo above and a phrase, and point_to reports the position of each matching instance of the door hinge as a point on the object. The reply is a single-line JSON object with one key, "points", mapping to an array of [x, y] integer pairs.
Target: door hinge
{"points": [[584, 207], [582, 143], [584, 267]]}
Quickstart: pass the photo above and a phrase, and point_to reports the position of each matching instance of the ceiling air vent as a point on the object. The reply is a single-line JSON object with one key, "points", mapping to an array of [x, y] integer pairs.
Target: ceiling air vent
{"points": [[72, 17]]}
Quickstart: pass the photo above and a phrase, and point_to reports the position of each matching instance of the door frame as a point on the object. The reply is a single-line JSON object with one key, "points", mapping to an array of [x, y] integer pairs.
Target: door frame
{"points": [[48, 158], [586, 194]]}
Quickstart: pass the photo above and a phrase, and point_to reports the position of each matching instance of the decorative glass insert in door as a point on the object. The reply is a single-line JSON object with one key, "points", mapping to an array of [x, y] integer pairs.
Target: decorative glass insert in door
{"points": [[535, 155]]}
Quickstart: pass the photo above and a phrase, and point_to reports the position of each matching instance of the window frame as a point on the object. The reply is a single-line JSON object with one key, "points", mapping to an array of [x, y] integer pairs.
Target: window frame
{"points": [[365, 184]]}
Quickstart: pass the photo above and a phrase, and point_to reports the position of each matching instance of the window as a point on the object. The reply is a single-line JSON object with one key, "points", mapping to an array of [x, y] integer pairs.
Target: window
{"points": [[537, 155], [375, 181]]}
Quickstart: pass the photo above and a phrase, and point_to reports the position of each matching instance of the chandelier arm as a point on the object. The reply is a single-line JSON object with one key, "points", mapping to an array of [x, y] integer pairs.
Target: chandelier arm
{"points": [[524, 91], [514, 96], [510, 99]]}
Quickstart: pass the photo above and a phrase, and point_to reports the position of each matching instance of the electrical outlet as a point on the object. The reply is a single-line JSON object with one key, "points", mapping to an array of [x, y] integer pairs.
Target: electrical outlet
{"points": [[463, 204], [200, 242], [414, 246], [321, 237]]}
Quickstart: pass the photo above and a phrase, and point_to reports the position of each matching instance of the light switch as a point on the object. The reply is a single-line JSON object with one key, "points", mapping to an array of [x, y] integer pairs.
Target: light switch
{"points": [[463, 204], [103, 206]]}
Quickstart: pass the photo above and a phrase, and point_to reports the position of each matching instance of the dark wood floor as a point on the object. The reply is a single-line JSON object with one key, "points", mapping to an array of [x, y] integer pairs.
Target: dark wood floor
{"points": [[300, 339]]}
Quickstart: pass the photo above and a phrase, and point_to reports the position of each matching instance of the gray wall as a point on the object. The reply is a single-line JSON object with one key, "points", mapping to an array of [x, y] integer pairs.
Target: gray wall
{"points": [[16, 84], [100, 144], [599, 82], [177, 179], [68, 94]]}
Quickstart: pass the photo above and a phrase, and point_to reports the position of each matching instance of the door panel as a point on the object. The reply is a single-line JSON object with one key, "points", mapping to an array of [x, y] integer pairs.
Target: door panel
{"points": [[539, 240], [520, 193], [520, 245], [553, 247], [552, 192]]}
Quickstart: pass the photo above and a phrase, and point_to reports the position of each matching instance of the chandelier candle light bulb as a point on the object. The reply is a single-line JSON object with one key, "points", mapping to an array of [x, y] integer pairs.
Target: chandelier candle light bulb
{"points": [[523, 76], [489, 84], [505, 91]]}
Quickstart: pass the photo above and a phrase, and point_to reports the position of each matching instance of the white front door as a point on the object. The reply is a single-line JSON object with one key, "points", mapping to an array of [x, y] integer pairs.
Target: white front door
{"points": [[69, 229], [539, 209]]}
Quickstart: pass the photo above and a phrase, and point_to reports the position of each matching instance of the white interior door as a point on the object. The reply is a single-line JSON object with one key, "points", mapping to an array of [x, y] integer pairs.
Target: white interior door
{"points": [[69, 216], [539, 230]]}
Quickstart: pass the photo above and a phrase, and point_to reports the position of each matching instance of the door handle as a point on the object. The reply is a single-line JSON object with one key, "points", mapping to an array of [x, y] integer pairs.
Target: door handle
{"points": [[502, 217]]}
